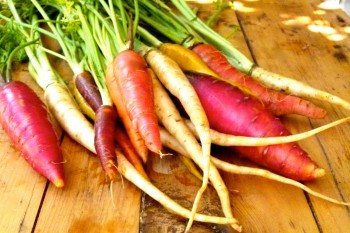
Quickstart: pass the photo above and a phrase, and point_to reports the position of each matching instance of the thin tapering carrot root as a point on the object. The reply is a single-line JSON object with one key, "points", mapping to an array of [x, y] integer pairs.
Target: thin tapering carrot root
{"points": [[134, 135], [104, 139], [65, 110], [223, 139], [171, 119], [295, 87], [130, 173], [172, 143], [190, 166]]}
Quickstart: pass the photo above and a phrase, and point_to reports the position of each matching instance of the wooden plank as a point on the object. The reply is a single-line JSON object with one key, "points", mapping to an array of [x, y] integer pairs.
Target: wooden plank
{"points": [[256, 200], [283, 38], [87, 203], [173, 178]]}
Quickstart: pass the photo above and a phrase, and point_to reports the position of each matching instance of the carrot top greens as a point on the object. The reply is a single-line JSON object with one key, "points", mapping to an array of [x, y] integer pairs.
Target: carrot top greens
{"points": [[11, 43]]}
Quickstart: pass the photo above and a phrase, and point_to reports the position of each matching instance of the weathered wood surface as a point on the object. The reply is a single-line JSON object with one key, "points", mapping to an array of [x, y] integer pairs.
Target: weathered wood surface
{"points": [[296, 38]]}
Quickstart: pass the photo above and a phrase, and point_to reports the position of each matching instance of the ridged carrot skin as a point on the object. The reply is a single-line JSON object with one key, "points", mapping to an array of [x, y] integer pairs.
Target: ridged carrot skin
{"points": [[104, 139], [230, 111], [134, 80], [25, 119], [277, 102]]}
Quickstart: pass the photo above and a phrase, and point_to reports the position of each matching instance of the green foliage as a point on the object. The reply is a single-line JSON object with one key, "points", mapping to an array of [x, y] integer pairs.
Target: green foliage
{"points": [[10, 39], [25, 8]]}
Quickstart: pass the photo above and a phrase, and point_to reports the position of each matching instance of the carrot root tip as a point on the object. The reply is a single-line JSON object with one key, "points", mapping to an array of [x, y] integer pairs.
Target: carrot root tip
{"points": [[161, 154], [319, 172], [59, 183]]}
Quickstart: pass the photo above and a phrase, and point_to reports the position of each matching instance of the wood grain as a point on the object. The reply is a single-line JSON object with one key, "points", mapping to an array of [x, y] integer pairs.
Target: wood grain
{"points": [[299, 39], [283, 39]]}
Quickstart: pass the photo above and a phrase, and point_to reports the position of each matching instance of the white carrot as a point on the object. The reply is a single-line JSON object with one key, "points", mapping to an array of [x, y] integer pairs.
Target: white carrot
{"points": [[62, 105], [171, 119], [223, 139], [295, 87]]}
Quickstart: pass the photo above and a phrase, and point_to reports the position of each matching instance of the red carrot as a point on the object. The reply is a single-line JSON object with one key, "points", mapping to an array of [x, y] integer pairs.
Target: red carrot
{"points": [[230, 111], [104, 139], [135, 85], [25, 119], [277, 102]]}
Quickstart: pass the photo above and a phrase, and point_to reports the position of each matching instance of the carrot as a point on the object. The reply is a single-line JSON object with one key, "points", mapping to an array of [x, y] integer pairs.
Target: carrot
{"points": [[105, 120], [104, 139], [56, 94], [277, 102], [171, 119], [135, 85], [25, 119], [128, 150], [231, 111], [81, 102], [187, 59], [188, 162], [69, 116], [87, 88], [134, 135], [295, 87], [223, 139], [172, 77], [173, 144]]}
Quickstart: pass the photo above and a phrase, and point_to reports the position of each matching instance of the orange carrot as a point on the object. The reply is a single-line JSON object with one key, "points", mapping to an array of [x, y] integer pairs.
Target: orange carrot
{"points": [[133, 134], [135, 85]]}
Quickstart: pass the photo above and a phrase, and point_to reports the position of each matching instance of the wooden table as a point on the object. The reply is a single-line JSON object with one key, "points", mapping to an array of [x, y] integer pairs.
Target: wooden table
{"points": [[299, 39]]}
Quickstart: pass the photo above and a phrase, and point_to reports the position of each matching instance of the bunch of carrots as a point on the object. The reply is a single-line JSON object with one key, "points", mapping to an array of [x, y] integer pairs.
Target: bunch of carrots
{"points": [[120, 102]]}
